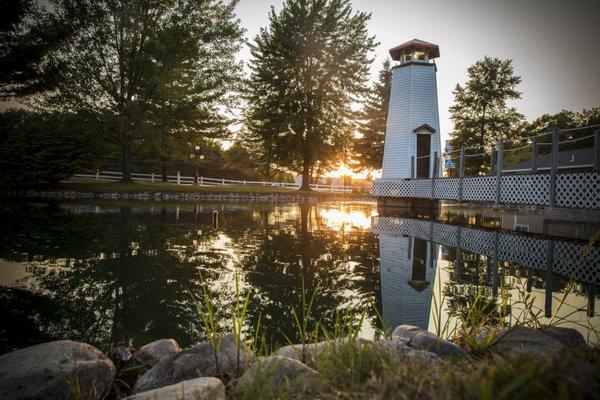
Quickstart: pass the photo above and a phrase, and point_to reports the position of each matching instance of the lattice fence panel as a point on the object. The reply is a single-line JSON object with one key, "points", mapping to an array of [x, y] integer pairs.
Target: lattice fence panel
{"points": [[525, 189], [477, 241], [447, 189], [578, 261], [445, 234], [482, 188], [394, 226], [529, 252], [579, 190]]}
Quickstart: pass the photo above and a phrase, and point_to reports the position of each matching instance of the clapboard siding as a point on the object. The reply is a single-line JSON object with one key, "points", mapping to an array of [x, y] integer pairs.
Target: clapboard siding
{"points": [[401, 304], [413, 102]]}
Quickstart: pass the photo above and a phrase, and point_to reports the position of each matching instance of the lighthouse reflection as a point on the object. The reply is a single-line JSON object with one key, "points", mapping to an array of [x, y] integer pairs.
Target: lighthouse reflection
{"points": [[408, 268], [433, 270]]}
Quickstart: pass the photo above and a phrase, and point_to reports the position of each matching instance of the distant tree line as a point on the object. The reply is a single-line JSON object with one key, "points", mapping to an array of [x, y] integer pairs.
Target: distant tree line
{"points": [[136, 85]]}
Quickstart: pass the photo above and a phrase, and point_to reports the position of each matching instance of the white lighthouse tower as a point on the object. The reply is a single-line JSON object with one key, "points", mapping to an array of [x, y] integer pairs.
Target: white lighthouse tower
{"points": [[413, 128]]}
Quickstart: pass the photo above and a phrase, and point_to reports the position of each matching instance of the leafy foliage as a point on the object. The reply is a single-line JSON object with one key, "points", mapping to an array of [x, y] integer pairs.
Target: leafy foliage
{"points": [[480, 111], [308, 67], [368, 148], [37, 148], [153, 72]]}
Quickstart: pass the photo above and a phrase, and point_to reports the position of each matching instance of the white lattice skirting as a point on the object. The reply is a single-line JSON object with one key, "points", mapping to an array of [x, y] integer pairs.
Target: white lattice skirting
{"points": [[573, 190], [570, 259]]}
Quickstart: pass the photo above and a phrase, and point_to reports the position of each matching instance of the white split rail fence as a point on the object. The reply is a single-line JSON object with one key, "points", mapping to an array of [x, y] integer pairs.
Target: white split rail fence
{"points": [[204, 181]]}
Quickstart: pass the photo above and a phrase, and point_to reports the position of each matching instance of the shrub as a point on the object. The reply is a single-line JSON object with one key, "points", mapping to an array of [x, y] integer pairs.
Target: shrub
{"points": [[41, 148]]}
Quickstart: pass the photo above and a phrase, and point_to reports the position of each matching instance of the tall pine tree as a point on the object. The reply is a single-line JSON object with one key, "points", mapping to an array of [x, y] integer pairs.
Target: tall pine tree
{"points": [[480, 111], [308, 67], [368, 147]]}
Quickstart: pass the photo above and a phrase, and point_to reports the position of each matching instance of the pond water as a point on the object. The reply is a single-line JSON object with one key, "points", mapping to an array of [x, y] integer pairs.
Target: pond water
{"points": [[117, 273]]}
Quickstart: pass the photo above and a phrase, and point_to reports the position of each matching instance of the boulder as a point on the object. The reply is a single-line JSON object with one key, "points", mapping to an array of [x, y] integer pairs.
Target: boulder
{"points": [[312, 351], [406, 332], [153, 353], [193, 389], [397, 348], [196, 362], [520, 339], [425, 340], [277, 376], [55, 370], [569, 337]]}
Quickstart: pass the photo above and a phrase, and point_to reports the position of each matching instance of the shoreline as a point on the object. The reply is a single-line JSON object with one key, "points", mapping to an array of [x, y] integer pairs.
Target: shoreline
{"points": [[163, 192]]}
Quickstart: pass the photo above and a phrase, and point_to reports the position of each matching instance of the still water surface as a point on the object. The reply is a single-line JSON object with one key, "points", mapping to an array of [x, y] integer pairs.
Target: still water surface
{"points": [[114, 274]]}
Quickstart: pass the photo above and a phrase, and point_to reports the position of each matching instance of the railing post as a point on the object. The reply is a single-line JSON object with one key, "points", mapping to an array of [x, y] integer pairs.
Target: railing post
{"points": [[534, 156], [461, 174], [178, 177], [97, 175], [499, 167], [553, 167], [222, 181], [597, 150], [412, 167], [244, 182], [153, 177], [201, 182], [549, 279], [434, 174]]}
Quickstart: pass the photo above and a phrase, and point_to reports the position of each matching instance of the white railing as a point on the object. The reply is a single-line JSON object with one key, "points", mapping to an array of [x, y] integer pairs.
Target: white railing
{"points": [[204, 181]]}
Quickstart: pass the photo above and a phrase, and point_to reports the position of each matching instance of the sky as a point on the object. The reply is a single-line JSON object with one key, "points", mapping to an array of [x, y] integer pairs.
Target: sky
{"points": [[554, 44]]}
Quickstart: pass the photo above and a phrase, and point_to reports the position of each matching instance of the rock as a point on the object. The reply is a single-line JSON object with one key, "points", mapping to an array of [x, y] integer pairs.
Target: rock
{"points": [[567, 336], [406, 332], [425, 340], [153, 353], [196, 362], [55, 370], [277, 376], [521, 340], [124, 353], [312, 350], [397, 348], [193, 389]]}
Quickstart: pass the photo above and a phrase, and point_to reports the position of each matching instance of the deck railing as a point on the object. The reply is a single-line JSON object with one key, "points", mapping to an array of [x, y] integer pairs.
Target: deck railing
{"points": [[576, 186]]}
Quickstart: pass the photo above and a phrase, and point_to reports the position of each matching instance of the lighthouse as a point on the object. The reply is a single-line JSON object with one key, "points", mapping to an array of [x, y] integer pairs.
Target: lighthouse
{"points": [[413, 129]]}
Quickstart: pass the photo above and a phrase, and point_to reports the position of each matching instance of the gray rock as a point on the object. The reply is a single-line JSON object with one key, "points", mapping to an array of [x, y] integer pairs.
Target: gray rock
{"points": [[521, 340], [406, 332], [196, 362], [153, 353], [275, 376], [425, 340], [193, 389], [55, 370], [567, 336], [312, 351], [397, 348]]}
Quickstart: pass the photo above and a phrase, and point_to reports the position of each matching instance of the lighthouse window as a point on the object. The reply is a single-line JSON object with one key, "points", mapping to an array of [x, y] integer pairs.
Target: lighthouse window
{"points": [[419, 55]]}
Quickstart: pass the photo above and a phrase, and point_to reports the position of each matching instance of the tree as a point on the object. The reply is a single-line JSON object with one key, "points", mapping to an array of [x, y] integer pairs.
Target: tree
{"points": [[147, 67], [41, 148], [308, 67], [368, 148], [28, 34], [480, 112]]}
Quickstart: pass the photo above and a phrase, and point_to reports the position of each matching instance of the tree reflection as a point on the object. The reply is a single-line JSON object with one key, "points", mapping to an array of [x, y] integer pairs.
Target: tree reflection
{"points": [[123, 276]]}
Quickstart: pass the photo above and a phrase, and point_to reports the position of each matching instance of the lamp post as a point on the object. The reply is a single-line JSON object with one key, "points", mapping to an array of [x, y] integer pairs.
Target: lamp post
{"points": [[198, 157]]}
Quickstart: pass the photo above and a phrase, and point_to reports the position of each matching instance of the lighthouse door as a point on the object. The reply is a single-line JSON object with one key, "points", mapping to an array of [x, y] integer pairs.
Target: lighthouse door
{"points": [[423, 153]]}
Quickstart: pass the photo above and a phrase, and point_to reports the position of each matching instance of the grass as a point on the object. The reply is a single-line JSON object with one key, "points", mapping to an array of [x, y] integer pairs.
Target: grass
{"points": [[92, 186]]}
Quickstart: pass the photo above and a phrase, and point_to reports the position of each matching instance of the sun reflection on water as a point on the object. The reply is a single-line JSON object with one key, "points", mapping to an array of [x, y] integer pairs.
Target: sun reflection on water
{"points": [[347, 216]]}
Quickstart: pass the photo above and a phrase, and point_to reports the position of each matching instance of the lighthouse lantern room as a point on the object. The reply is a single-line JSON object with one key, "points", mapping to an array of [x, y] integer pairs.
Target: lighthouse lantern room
{"points": [[413, 134]]}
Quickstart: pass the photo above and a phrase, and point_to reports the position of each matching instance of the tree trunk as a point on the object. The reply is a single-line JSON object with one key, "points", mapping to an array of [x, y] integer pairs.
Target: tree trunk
{"points": [[126, 159], [305, 176], [163, 169]]}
